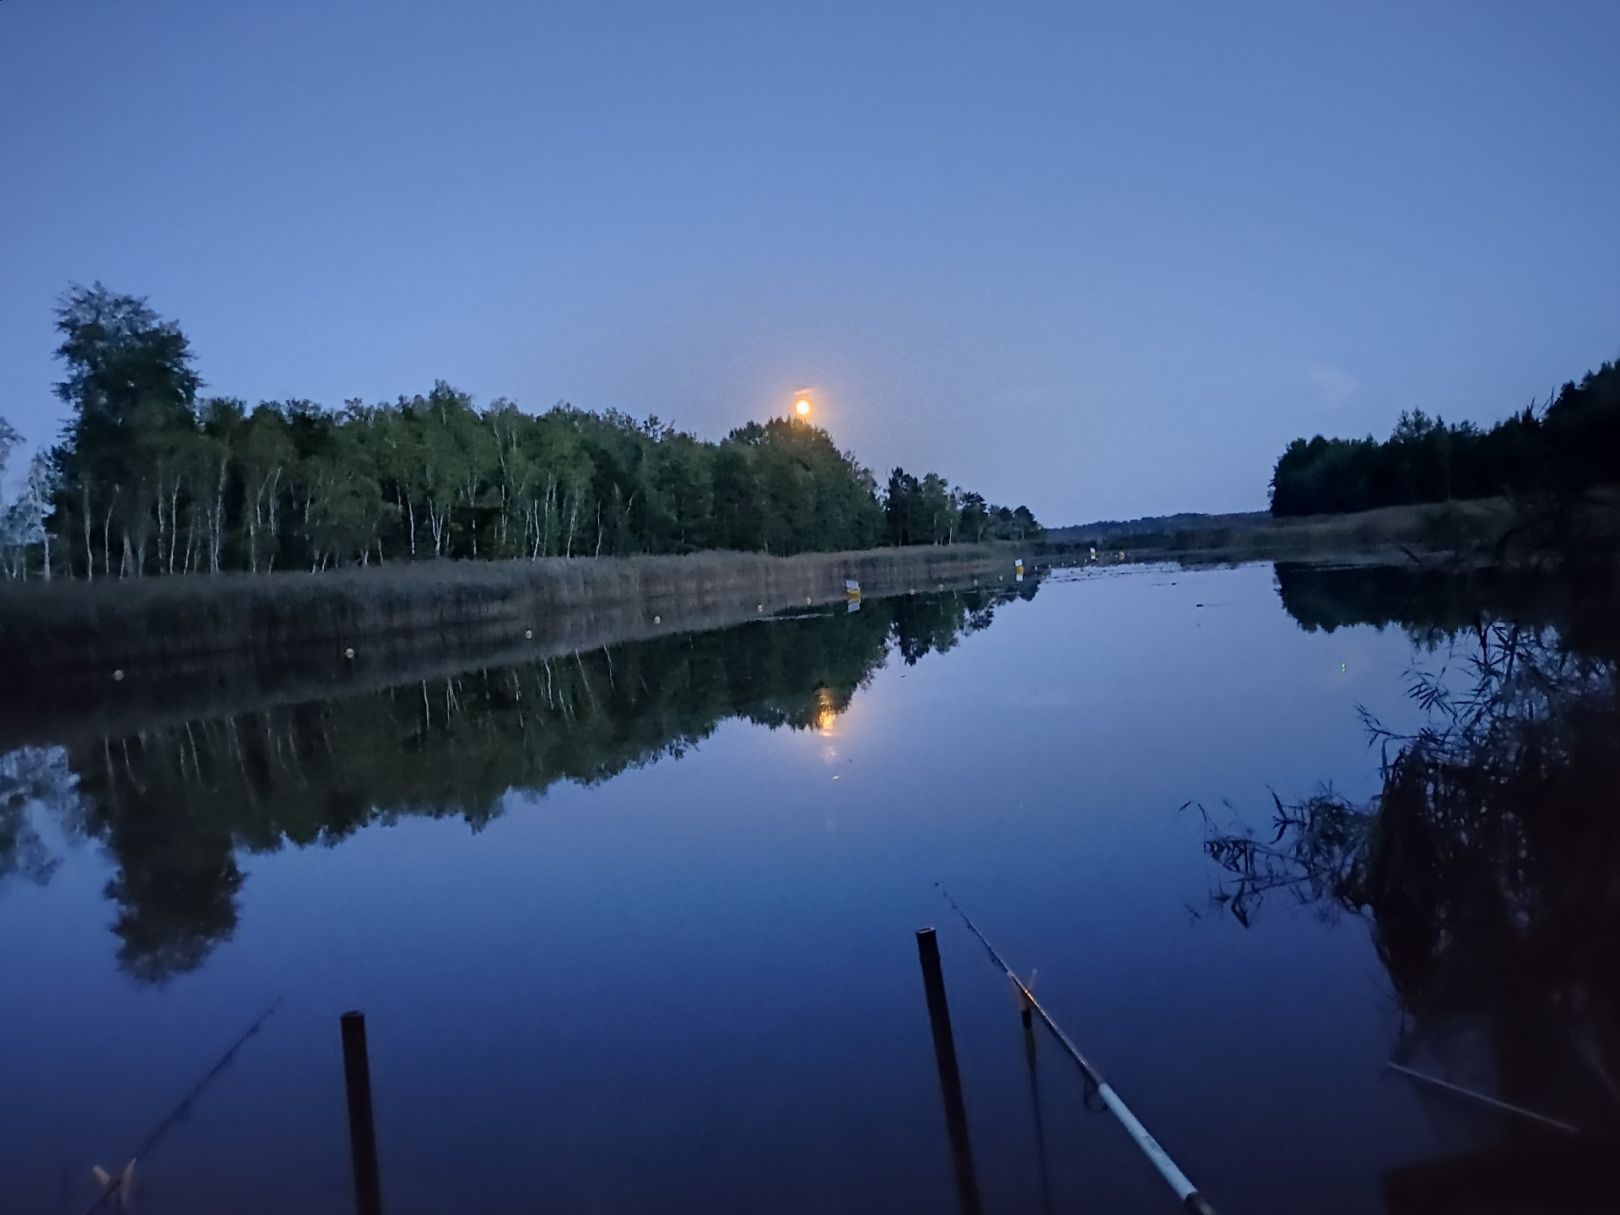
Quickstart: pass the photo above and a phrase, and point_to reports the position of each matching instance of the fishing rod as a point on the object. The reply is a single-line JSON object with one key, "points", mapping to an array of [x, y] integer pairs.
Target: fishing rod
{"points": [[1178, 1181], [1557, 1124], [115, 1188]]}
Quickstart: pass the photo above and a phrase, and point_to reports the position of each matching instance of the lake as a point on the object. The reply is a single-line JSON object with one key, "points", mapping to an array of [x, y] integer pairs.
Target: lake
{"points": [[633, 928]]}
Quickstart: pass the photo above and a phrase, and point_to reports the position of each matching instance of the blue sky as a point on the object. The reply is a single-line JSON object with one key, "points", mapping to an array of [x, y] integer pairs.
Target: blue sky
{"points": [[1106, 259]]}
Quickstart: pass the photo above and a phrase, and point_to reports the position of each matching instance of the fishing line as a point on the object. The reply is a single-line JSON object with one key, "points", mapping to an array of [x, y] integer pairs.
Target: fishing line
{"points": [[116, 1186]]}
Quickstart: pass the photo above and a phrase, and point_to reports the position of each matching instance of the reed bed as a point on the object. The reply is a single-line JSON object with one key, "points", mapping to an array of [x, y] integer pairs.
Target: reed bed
{"points": [[183, 619]]}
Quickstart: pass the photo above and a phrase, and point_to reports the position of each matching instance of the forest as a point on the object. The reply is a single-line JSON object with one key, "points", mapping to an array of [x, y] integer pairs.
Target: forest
{"points": [[151, 477], [1568, 447]]}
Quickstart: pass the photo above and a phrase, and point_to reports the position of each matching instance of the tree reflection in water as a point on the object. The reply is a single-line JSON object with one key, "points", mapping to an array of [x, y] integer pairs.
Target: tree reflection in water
{"points": [[1488, 866], [175, 804], [30, 775]]}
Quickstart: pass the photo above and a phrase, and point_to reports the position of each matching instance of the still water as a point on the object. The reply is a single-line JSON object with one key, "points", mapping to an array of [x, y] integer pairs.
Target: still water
{"points": [[633, 928]]}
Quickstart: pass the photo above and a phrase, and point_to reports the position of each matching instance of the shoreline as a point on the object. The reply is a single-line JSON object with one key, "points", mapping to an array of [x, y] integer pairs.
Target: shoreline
{"points": [[199, 624], [87, 702], [1468, 529]]}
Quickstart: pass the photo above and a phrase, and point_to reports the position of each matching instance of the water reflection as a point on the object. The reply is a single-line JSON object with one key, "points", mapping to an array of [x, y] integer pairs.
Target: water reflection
{"points": [[1485, 865], [1433, 604], [175, 804], [30, 775]]}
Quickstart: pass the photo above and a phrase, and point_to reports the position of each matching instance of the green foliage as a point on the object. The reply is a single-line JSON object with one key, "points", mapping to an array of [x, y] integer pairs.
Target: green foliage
{"points": [[120, 356], [151, 480], [9, 439], [1583, 429], [927, 510], [1572, 446], [25, 546]]}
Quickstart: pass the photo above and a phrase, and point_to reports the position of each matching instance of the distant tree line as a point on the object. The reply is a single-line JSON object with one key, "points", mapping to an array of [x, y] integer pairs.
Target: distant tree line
{"points": [[1570, 446], [929, 511], [152, 478]]}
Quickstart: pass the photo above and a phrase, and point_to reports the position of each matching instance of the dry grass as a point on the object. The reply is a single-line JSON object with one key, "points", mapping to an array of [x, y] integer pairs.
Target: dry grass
{"points": [[184, 618]]}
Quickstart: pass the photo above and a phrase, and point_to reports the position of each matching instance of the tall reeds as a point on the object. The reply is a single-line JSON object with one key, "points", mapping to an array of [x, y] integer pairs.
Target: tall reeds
{"points": [[176, 619]]}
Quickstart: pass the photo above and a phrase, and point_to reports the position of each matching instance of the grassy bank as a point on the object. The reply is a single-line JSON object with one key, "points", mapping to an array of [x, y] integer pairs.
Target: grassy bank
{"points": [[183, 620], [1480, 527]]}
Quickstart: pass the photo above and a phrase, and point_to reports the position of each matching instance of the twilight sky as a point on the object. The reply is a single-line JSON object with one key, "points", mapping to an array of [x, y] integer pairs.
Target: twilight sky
{"points": [[1104, 258]]}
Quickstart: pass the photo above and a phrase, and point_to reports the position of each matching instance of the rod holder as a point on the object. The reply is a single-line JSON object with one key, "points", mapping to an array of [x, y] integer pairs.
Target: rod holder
{"points": [[950, 1077], [362, 1129]]}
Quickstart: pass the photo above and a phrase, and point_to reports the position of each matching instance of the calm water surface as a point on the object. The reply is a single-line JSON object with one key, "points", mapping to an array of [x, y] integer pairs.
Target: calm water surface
{"points": [[633, 929]]}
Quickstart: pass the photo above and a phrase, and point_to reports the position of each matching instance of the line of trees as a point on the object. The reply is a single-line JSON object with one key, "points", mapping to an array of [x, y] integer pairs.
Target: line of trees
{"points": [[152, 478], [1568, 447], [927, 510], [22, 520]]}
